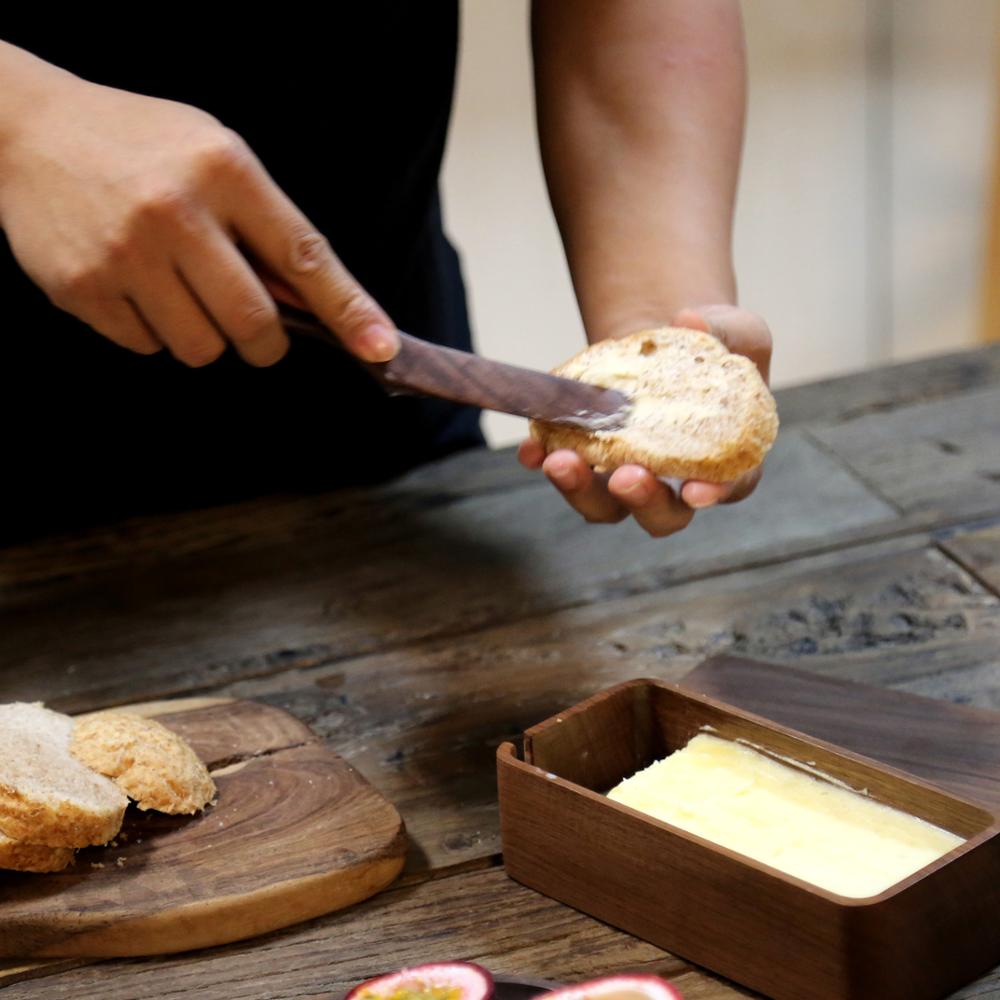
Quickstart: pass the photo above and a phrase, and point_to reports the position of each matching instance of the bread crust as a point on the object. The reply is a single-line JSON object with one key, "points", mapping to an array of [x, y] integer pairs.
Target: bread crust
{"points": [[17, 856], [148, 762], [62, 824], [716, 415]]}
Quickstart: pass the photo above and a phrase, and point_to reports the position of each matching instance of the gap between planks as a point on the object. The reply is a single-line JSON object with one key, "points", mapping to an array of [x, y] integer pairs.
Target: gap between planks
{"points": [[841, 462]]}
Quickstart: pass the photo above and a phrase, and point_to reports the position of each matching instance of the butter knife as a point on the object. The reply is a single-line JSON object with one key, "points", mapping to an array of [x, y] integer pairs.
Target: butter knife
{"points": [[432, 370]]}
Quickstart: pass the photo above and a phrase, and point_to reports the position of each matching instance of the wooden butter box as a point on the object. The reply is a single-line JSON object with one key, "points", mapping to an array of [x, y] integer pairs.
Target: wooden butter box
{"points": [[922, 938]]}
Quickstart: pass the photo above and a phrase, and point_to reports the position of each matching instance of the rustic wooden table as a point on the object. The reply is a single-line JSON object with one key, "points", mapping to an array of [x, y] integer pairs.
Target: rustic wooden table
{"points": [[418, 625]]}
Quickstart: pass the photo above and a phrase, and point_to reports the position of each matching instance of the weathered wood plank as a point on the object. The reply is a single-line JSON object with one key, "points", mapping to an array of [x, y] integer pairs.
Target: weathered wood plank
{"points": [[934, 460], [460, 476], [151, 540], [422, 723], [890, 387], [373, 578], [987, 988], [482, 917], [978, 550], [19, 972]]}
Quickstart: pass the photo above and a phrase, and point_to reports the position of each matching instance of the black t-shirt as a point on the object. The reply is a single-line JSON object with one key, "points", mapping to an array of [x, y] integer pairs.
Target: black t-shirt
{"points": [[350, 120]]}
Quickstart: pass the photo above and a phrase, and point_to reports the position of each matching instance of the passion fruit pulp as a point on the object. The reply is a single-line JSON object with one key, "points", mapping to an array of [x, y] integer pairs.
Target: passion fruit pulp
{"points": [[433, 981], [639, 987]]}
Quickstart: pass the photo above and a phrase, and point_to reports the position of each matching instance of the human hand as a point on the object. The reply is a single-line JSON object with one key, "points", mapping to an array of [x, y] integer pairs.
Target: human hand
{"points": [[131, 212], [632, 489]]}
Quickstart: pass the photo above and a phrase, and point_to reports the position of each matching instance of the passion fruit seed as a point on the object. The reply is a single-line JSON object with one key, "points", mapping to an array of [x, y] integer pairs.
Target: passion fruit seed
{"points": [[415, 989]]}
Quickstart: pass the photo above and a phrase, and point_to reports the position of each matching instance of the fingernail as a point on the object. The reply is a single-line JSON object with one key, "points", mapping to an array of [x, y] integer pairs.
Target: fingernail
{"points": [[698, 499], [378, 343], [638, 492], [564, 478]]}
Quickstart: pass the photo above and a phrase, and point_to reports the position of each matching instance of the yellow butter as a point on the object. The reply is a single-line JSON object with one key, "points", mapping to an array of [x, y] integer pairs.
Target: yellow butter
{"points": [[813, 829]]}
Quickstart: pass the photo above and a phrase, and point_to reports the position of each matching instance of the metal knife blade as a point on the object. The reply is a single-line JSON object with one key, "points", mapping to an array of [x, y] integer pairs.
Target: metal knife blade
{"points": [[429, 369]]}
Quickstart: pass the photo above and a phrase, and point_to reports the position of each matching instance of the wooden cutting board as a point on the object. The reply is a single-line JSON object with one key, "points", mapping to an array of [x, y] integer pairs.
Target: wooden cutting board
{"points": [[296, 833], [953, 746]]}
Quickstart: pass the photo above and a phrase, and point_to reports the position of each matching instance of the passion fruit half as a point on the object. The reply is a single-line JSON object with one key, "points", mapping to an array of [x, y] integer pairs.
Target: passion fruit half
{"points": [[434, 981], [622, 987]]}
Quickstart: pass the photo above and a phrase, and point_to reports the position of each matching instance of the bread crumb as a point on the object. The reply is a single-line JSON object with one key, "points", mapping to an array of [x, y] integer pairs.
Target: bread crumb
{"points": [[120, 862], [96, 864]]}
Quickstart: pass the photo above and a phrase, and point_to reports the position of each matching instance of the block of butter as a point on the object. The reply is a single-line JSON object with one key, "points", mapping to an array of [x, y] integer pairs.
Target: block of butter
{"points": [[811, 827]]}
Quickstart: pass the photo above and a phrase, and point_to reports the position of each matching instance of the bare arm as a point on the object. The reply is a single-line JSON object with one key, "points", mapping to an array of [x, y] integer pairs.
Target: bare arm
{"points": [[640, 115], [640, 121]]}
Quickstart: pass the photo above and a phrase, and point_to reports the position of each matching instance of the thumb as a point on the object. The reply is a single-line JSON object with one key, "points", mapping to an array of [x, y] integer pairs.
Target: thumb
{"points": [[743, 332]]}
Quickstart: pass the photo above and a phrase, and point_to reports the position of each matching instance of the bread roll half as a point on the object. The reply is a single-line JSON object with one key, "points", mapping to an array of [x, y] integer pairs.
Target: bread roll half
{"points": [[148, 762], [21, 857], [47, 797], [698, 411]]}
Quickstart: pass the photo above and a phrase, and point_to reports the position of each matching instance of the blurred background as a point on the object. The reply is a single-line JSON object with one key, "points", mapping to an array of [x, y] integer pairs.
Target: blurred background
{"points": [[871, 159]]}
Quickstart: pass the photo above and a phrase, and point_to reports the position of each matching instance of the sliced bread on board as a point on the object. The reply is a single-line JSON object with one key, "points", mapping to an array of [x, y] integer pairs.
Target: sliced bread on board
{"points": [[33, 857], [47, 797], [147, 761], [697, 410]]}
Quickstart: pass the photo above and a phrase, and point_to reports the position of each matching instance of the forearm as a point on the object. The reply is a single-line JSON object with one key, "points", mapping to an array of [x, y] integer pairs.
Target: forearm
{"points": [[26, 82], [640, 114]]}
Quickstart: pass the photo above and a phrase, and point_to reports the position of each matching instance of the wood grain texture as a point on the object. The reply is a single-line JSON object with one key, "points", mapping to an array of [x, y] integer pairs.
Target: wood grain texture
{"points": [[382, 576], [932, 460], [296, 832], [978, 550], [422, 723], [925, 936], [481, 916], [306, 602], [889, 387]]}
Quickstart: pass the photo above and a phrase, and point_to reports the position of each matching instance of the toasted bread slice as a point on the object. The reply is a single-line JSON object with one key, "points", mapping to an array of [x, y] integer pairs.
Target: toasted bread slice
{"points": [[149, 763], [47, 797], [698, 411], [33, 857]]}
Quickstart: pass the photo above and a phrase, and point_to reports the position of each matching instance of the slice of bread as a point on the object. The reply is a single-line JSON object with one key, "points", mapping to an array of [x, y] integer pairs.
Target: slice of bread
{"points": [[698, 411], [33, 857], [47, 797], [149, 763]]}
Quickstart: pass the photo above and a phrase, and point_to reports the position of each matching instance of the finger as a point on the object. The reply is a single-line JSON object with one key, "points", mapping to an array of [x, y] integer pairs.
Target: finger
{"points": [[531, 454], [176, 317], [745, 485], [289, 245], [281, 292], [585, 492], [235, 298], [649, 501], [741, 331], [699, 495], [117, 320]]}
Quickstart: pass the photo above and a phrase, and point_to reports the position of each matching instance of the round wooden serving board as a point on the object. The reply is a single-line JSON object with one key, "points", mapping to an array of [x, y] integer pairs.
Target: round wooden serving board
{"points": [[296, 832]]}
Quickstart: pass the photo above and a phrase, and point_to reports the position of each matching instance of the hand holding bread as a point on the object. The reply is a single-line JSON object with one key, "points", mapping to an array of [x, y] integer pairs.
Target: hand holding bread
{"points": [[703, 415]]}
